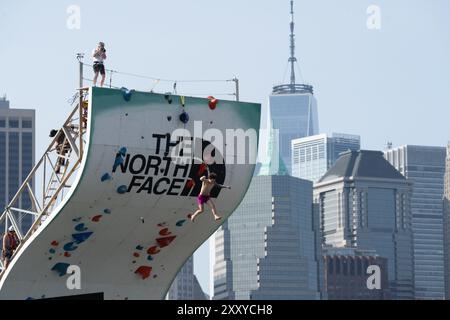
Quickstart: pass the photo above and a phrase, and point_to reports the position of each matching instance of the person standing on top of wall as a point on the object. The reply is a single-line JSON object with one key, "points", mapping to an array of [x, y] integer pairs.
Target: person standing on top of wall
{"points": [[99, 55]]}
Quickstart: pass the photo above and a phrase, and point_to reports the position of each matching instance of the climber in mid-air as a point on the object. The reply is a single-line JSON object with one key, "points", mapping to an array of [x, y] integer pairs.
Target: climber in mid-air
{"points": [[208, 183]]}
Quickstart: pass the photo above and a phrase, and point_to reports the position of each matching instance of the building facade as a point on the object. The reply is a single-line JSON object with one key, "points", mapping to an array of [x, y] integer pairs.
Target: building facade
{"points": [[294, 115], [313, 156], [267, 248], [186, 286], [447, 224], [364, 203], [425, 167], [346, 274], [17, 147]]}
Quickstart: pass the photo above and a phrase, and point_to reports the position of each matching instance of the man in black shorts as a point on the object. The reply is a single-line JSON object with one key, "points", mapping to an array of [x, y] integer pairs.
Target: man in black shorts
{"points": [[99, 55]]}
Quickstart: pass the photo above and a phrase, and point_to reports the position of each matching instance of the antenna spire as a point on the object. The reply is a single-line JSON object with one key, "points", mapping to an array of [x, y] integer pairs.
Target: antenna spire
{"points": [[292, 58]]}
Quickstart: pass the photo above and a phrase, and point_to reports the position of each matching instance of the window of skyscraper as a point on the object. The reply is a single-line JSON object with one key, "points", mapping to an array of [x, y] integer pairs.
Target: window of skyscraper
{"points": [[13, 123], [27, 124], [2, 123]]}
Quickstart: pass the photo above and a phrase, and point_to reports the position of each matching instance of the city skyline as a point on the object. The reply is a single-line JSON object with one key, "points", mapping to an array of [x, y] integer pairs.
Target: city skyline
{"points": [[350, 80]]}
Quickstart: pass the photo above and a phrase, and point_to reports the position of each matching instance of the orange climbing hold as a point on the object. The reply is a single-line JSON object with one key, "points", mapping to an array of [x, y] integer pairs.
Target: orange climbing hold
{"points": [[55, 243], [97, 218], [144, 271], [136, 255], [164, 242], [67, 255], [153, 250], [212, 102], [165, 232]]}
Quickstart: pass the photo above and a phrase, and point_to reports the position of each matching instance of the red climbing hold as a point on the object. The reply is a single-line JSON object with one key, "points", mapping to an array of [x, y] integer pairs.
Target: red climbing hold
{"points": [[164, 242], [55, 243], [153, 250], [165, 232], [190, 184], [212, 102], [97, 218], [67, 255], [201, 169], [144, 271], [136, 255]]}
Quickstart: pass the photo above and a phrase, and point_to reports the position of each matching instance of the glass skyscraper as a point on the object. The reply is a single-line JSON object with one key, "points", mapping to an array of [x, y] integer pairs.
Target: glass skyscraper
{"points": [[294, 115], [447, 224], [313, 156], [186, 286], [267, 248], [17, 145], [364, 203], [425, 167]]}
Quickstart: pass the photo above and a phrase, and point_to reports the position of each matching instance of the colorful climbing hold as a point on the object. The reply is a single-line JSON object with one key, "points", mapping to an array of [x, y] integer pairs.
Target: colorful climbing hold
{"points": [[67, 255], [126, 93], [150, 258], [76, 219], [144, 271], [81, 237], [139, 247], [122, 189], [61, 268], [97, 218], [184, 117], [136, 255], [55, 243], [212, 102], [164, 242], [190, 184], [162, 224], [180, 223], [153, 250], [201, 169], [80, 227], [165, 232], [106, 177], [70, 246], [52, 251], [169, 118], [107, 211]]}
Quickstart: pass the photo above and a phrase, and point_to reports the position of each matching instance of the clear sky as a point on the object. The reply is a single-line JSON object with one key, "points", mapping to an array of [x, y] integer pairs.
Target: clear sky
{"points": [[386, 85]]}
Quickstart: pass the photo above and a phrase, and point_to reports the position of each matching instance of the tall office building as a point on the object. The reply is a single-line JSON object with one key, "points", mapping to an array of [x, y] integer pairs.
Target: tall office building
{"points": [[447, 224], [364, 203], [267, 248], [313, 156], [17, 144], [425, 167], [292, 108], [186, 286], [346, 276]]}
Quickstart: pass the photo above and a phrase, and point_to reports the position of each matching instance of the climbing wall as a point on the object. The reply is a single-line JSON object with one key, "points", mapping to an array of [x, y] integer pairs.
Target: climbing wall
{"points": [[126, 220]]}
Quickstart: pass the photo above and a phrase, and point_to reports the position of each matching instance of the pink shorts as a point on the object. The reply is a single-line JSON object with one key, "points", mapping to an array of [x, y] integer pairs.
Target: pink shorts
{"points": [[201, 199]]}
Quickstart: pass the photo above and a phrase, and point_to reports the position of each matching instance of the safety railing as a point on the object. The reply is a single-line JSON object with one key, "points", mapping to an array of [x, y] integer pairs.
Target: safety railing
{"points": [[54, 173]]}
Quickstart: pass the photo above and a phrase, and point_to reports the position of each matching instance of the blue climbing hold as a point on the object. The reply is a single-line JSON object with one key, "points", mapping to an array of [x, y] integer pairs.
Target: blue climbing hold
{"points": [[139, 247], [61, 268], [76, 220], [107, 211], [106, 177], [70, 247], [81, 237], [150, 258], [52, 251], [126, 93], [80, 227], [184, 117], [122, 189], [180, 223]]}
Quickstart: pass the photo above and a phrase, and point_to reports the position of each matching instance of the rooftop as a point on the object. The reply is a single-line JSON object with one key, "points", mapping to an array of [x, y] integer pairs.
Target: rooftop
{"points": [[362, 164]]}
